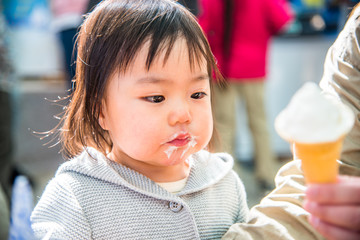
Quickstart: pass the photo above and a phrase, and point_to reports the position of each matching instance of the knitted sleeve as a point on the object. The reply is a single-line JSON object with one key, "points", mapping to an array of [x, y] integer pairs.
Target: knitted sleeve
{"points": [[58, 214], [243, 213]]}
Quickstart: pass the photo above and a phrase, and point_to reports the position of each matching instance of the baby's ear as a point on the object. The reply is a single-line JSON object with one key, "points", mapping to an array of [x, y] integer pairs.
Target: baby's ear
{"points": [[102, 114]]}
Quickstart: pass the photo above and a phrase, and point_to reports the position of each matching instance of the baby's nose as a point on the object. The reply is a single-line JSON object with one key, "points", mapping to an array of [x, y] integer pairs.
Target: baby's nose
{"points": [[180, 113]]}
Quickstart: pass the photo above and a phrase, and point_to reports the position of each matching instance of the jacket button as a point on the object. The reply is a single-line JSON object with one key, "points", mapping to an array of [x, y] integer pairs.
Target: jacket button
{"points": [[175, 207]]}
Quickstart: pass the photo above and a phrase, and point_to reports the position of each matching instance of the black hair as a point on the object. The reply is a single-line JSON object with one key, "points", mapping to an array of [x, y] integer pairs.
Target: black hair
{"points": [[109, 39]]}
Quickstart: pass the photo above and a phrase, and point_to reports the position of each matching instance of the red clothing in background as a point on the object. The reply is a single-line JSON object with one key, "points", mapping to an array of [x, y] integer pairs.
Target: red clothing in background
{"points": [[253, 24]]}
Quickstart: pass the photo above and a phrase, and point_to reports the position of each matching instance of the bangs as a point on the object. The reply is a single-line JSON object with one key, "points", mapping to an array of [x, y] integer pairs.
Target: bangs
{"points": [[166, 27], [121, 28]]}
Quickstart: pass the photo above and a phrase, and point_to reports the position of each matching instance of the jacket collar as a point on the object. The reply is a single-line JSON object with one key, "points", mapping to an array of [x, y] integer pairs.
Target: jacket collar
{"points": [[207, 169]]}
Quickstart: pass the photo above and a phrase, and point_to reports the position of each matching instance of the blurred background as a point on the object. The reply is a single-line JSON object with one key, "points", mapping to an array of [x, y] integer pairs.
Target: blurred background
{"points": [[36, 76]]}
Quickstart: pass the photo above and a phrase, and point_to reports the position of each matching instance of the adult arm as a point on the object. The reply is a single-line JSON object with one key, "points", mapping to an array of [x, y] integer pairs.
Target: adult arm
{"points": [[280, 214], [341, 79], [335, 208]]}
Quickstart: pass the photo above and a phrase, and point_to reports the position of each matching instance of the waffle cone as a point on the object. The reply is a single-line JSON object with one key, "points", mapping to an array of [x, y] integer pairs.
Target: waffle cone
{"points": [[319, 160]]}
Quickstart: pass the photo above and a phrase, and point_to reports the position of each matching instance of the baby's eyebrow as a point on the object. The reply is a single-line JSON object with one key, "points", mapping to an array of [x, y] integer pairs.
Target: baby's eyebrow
{"points": [[202, 77], [154, 80], [146, 80]]}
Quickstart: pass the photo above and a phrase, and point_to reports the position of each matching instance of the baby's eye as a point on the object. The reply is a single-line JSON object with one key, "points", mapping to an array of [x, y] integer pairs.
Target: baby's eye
{"points": [[155, 99], [198, 95]]}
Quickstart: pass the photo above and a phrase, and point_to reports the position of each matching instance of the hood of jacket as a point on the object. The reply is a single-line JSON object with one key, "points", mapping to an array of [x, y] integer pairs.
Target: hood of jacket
{"points": [[207, 169]]}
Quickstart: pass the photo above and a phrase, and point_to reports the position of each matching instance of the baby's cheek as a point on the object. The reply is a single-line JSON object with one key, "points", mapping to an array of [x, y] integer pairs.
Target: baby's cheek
{"points": [[144, 143], [207, 132], [203, 139]]}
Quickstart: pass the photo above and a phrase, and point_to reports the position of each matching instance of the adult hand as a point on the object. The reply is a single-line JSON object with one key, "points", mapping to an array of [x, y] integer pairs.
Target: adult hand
{"points": [[335, 208]]}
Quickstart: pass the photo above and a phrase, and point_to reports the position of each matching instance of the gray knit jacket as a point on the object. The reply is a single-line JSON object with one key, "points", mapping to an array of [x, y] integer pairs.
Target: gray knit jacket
{"points": [[92, 197]]}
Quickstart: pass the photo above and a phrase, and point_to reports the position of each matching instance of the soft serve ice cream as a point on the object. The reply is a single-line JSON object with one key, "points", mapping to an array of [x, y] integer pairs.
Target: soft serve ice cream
{"points": [[313, 117], [315, 124]]}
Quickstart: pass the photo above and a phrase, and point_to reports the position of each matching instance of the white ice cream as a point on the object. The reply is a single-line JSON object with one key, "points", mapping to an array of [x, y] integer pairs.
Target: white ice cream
{"points": [[172, 149], [313, 117]]}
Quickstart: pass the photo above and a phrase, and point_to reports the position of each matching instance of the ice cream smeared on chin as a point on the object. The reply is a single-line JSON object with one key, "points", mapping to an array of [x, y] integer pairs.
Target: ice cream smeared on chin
{"points": [[180, 141], [170, 151], [313, 117]]}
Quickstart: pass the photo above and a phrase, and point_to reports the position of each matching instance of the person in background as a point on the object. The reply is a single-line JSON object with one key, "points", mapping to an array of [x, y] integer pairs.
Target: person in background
{"points": [[239, 33], [296, 211], [68, 16], [136, 133]]}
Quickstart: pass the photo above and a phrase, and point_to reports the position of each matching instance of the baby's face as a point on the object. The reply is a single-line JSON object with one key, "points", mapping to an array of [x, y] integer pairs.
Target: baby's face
{"points": [[158, 117]]}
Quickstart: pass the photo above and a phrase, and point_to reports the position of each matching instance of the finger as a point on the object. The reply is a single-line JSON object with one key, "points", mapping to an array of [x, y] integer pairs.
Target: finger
{"points": [[331, 232], [347, 217], [346, 190]]}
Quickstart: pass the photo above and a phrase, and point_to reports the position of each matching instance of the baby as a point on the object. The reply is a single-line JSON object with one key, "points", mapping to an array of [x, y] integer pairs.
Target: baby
{"points": [[137, 130]]}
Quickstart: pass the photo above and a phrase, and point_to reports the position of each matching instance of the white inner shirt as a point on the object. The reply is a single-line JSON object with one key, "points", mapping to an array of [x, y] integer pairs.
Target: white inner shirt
{"points": [[173, 187]]}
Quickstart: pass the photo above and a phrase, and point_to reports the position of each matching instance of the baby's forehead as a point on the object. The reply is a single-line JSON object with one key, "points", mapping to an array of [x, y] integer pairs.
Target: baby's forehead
{"points": [[146, 56]]}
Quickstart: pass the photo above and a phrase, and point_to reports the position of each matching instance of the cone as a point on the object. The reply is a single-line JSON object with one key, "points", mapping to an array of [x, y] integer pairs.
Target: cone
{"points": [[319, 160]]}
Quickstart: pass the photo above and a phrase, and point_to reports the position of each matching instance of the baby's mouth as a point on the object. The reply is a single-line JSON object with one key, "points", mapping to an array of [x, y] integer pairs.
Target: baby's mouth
{"points": [[180, 141], [183, 141]]}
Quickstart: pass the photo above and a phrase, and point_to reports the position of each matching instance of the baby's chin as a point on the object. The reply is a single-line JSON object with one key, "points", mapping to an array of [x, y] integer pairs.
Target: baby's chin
{"points": [[175, 156]]}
